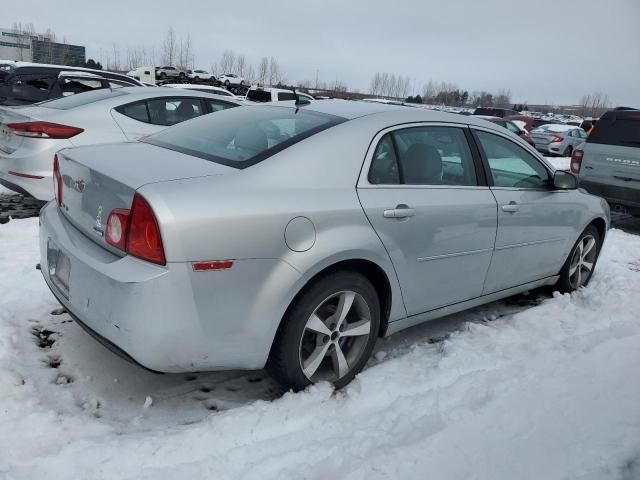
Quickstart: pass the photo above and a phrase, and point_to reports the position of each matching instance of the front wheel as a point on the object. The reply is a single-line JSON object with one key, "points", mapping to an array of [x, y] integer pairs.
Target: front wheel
{"points": [[162, 76], [578, 269], [226, 83], [328, 333]]}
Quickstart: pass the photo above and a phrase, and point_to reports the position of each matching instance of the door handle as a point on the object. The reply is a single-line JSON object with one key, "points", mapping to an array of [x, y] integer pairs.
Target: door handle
{"points": [[401, 211], [511, 207]]}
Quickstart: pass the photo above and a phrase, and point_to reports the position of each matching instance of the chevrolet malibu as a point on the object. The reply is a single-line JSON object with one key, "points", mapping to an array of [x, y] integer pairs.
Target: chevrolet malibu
{"points": [[293, 236]]}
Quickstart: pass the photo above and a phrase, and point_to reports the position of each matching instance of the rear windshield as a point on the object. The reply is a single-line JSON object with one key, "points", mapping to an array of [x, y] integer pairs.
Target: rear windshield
{"points": [[241, 137], [259, 96], [621, 129], [73, 101]]}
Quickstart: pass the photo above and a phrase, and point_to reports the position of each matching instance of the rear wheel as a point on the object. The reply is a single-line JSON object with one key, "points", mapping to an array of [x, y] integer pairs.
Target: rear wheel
{"points": [[162, 76], [226, 83], [579, 267], [181, 76], [328, 333], [568, 151]]}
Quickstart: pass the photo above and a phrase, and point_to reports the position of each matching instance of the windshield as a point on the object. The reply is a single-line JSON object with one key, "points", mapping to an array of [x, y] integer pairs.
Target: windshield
{"points": [[241, 137], [73, 101]]}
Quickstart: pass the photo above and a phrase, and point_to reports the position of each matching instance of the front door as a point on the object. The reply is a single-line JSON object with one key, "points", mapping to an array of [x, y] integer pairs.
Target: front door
{"points": [[421, 191], [534, 220]]}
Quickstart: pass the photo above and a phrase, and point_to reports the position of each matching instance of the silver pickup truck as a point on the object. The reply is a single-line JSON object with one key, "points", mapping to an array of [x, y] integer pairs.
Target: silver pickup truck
{"points": [[608, 163]]}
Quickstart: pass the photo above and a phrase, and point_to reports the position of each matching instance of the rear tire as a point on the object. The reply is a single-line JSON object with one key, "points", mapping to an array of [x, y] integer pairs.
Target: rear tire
{"points": [[328, 332], [568, 151], [581, 263], [162, 76]]}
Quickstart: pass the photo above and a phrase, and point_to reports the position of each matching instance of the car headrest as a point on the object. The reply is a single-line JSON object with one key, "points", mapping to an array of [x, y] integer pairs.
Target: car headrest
{"points": [[422, 165]]}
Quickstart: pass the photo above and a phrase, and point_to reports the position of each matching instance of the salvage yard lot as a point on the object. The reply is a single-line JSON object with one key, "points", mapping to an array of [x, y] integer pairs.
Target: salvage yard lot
{"points": [[536, 386]]}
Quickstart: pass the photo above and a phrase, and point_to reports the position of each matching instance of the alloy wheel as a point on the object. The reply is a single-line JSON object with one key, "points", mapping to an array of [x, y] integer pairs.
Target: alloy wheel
{"points": [[582, 261], [335, 336]]}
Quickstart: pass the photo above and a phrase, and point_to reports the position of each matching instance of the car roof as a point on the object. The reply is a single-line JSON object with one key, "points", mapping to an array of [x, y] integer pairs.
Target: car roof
{"points": [[351, 109]]}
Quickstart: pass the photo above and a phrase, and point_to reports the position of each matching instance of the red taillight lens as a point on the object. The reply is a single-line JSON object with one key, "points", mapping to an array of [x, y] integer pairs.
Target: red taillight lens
{"points": [[116, 232], [44, 130], [57, 181], [143, 237], [557, 138], [576, 161]]}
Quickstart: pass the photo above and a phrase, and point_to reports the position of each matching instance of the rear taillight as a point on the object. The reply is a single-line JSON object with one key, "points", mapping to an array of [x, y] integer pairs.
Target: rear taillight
{"points": [[44, 130], [143, 236], [136, 231], [576, 161], [57, 181], [557, 138], [116, 232]]}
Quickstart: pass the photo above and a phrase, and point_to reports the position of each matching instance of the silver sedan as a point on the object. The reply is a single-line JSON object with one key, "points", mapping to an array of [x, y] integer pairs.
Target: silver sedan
{"points": [[31, 135], [558, 139], [294, 236]]}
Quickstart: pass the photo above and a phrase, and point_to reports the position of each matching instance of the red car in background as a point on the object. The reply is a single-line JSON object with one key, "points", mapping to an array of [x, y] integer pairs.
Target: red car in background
{"points": [[512, 127], [528, 121]]}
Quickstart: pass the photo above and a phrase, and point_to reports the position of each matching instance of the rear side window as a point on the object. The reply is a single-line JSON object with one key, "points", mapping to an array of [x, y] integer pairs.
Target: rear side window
{"points": [[169, 111], [282, 96], [423, 156], [216, 106], [71, 86], [259, 96], [137, 111], [621, 129], [31, 88], [73, 101], [241, 137]]}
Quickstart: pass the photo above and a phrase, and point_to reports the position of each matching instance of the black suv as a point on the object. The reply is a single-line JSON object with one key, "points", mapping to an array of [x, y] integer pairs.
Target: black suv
{"points": [[26, 83]]}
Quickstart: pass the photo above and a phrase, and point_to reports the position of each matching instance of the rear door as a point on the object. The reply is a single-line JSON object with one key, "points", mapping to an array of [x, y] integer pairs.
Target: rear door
{"points": [[429, 204], [612, 156], [534, 220]]}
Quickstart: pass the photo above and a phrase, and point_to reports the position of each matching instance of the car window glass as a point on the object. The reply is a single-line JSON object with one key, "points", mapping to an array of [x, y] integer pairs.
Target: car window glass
{"points": [[282, 96], [169, 111], [512, 127], [434, 156], [217, 106], [137, 111], [384, 164], [240, 137], [510, 165], [31, 87], [71, 86]]}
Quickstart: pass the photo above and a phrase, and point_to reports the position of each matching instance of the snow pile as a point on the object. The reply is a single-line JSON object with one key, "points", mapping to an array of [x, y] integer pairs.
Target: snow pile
{"points": [[540, 387]]}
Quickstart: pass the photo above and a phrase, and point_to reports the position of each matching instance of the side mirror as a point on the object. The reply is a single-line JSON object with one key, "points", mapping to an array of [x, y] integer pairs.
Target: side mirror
{"points": [[564, 180]]}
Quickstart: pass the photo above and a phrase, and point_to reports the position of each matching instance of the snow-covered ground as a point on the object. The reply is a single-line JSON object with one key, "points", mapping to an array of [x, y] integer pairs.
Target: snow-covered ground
{"points": [[537, 387]]}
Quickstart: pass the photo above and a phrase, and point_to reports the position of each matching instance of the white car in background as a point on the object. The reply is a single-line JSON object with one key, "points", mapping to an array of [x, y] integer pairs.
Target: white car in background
{"points": [[200, 75], [262, 94], [231, 80], [30, 136], [204, 88]]}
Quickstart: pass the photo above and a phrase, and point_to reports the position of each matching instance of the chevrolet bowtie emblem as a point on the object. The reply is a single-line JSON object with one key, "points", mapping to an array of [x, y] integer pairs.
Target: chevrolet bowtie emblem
{"points": [[79, 185]]}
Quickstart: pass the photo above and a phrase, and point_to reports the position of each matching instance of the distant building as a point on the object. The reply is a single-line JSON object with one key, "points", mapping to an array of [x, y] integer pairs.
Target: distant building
{"points": [[19, 46]]}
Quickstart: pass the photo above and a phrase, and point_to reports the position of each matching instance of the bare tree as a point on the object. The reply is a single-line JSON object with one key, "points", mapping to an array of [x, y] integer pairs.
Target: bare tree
{"points": [[169, 47], [228, 61], [185, 56], [23, 38], [250, 75], [241, 65], [263, 70], [274, 72], [594, 104]]}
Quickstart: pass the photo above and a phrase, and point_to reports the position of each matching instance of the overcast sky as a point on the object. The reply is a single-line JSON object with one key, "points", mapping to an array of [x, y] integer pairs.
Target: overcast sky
{"points": [[545, 51]]}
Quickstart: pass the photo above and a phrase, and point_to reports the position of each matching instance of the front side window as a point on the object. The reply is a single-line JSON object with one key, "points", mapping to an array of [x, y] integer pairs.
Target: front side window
{"points": [[241, 137], [424, 156], [511, 166]]}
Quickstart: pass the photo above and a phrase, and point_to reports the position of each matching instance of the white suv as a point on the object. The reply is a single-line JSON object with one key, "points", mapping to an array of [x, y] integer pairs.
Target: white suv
{"points": [[167, 71], [231, 79], [261, 94], [200, 75]]}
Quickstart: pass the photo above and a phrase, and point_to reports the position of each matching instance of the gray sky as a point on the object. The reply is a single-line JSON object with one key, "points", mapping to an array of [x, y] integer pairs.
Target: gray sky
{"points": [[545, 51]]}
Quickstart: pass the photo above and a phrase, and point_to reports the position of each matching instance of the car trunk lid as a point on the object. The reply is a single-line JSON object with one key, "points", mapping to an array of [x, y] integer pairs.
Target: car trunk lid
{"points": [[99, 179], [9, 141]]}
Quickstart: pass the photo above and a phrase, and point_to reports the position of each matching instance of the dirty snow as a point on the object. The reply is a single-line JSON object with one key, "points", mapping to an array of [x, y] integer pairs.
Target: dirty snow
{"points": [[543, 386]]}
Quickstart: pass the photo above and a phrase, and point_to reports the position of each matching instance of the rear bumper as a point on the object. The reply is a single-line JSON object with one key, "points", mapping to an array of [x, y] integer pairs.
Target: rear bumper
{"points": [[618, 197], [167, 318]]}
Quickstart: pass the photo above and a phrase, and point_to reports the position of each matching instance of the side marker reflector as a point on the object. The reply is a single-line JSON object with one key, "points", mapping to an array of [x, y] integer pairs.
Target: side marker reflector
{"points": [[213, 265]]}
